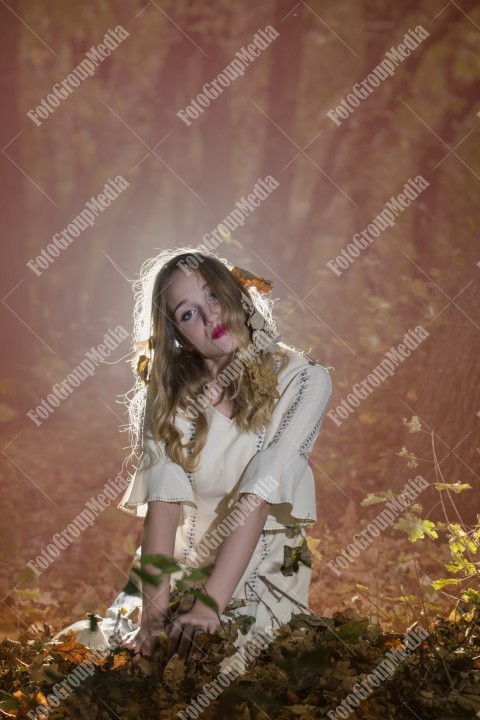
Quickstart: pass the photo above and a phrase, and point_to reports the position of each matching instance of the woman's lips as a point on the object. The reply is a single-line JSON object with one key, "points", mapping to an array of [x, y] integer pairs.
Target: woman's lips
{"points": [[219, 331]]}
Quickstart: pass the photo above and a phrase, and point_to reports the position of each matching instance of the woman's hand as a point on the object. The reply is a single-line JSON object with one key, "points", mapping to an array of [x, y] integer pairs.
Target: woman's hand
{"points": [[146, 639], [181, 632]]}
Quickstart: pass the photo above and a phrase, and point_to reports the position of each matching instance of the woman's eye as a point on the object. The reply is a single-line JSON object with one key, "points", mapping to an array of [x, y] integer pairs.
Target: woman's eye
{"points": [[184, 316]]}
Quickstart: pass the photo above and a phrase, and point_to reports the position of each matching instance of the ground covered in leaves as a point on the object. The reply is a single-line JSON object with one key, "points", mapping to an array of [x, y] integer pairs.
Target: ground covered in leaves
{"points": [[306, 672], [312, 665]]}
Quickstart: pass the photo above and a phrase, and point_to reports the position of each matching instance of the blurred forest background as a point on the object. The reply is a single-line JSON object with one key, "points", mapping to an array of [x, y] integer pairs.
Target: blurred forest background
{"points": [[183, 181]]}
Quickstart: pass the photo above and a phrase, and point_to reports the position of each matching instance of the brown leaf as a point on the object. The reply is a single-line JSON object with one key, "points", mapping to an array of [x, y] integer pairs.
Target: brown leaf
{"points": [[173, 673], [145, 666], [74, 652]]}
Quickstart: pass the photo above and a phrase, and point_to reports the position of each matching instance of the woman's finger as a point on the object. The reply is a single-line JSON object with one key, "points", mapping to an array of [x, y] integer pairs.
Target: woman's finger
{"points": [[186, 641], [174, 634], [195, 651]]}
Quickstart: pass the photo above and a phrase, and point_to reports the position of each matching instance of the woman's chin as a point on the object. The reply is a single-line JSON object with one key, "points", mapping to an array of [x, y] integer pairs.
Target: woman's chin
{"points": [[224, 345]]}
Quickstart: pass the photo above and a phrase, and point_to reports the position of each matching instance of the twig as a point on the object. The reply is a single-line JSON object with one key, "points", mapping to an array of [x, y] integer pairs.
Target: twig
{"points": [[264, 603], [270, 585]]}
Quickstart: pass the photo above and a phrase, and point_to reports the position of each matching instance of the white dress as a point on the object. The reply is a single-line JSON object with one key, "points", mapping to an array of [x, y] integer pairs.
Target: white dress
{"points": [[272, 464]]}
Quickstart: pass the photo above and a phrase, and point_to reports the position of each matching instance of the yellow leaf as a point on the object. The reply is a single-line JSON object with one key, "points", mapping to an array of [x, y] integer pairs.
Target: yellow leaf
{"points": [[40, 698], [120, 660], [313, 544], [416, 527], [456, 487]]}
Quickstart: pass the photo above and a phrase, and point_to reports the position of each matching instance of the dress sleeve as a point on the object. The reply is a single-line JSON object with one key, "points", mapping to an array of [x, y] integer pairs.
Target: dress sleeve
{"points": [[279, 472], [162, 479]]}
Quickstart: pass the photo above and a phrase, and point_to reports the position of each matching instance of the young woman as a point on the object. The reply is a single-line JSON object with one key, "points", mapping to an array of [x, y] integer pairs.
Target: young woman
{"points": [[225, 416]]}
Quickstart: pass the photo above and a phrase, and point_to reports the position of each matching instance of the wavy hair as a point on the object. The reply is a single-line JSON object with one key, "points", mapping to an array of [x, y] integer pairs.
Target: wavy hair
{"points": [[177, 375]]}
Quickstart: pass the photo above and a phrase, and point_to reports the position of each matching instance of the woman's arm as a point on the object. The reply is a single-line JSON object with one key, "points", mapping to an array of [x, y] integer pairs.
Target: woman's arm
{"points": [[159, 532], [236, 550], [231, 561]]}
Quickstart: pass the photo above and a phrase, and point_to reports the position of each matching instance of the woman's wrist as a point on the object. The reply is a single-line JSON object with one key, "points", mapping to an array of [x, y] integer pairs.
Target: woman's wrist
{"points": [[155, 614], [203, 607], [155, 602]]}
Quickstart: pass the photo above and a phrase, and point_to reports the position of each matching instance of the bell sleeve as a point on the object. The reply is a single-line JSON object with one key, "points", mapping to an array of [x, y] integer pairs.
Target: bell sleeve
{"points": [[160, 480], [279, 472]]}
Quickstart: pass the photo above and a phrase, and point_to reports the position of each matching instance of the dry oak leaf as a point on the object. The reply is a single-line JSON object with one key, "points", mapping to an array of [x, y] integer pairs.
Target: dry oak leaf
{"points": [[74, 652]]}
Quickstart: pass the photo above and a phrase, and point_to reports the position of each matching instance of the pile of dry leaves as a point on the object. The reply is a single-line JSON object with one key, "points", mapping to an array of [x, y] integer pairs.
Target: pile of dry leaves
{"points": [[315, 667]]}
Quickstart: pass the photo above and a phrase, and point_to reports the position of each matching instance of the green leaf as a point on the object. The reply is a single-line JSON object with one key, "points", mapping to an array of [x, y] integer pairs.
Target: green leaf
{"points": [[460, 544], [200, 573], [293, 530], [9, 704], [459, 565], [348, 632], [411, 459], [290, 561], [416, 527], [245, 622], [373, 498], [234, 605], [471, 595], [439, 584], [147, 577], [292, 556], [414, 425], [205, 599], [163, 562], [456, 487]]}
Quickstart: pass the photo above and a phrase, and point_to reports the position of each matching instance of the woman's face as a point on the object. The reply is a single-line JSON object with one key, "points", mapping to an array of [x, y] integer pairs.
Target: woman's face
{"points": [[197, 315]]}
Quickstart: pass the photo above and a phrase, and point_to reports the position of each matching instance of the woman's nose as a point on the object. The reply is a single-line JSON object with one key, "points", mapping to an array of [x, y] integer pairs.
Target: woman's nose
{"points": [[210, 315]]}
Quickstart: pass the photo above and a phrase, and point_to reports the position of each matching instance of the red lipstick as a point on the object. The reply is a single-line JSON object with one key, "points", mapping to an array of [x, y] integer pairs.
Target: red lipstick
{"points": [[218, 331]]}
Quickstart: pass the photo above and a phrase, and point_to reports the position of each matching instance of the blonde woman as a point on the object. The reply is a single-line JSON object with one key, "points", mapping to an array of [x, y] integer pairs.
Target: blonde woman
{"points": [[225, 416]]}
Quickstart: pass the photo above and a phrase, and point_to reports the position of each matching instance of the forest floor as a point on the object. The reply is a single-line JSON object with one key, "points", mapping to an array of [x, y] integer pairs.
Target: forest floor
{"points": [[323, 658]]}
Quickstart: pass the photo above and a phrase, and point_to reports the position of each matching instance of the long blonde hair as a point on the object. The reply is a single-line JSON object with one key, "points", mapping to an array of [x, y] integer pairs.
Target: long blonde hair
{"points": [[176, 375]]}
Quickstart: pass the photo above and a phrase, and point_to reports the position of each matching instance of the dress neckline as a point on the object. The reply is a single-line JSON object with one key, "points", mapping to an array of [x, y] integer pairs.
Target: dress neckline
{"points": [[230, 420]]}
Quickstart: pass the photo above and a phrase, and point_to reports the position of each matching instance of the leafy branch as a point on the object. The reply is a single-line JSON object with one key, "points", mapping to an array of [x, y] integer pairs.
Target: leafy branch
{"points": [[463, 542]]}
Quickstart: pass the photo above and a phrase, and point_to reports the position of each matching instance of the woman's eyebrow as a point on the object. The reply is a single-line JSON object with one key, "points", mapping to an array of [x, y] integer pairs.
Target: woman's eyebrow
{"points": [[186, 301]]}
